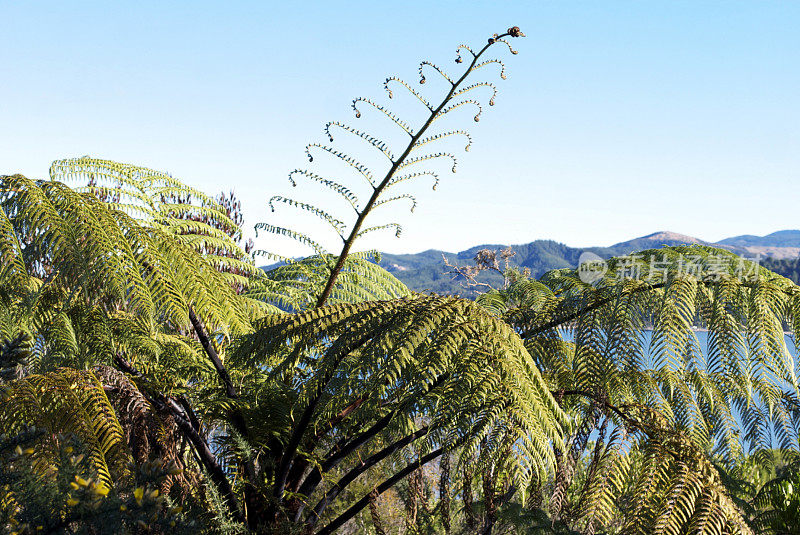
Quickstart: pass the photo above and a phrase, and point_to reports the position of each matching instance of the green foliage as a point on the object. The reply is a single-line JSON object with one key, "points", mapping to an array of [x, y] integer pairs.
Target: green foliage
{"points": [[67, 496], [304, 398], [296, 285], [779, 500], [163, 202], [62, 248], [632, 386], [401, 166], [788, 267], [435, 359], [67, 401]]}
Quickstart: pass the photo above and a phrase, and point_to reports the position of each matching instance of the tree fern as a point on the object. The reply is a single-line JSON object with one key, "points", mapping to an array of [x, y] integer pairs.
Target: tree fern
{"points": [[305, 393], [664, 390]]}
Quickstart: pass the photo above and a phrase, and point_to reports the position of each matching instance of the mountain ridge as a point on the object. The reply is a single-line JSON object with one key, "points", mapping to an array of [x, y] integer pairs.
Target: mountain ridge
{"points": [[426, 270]]}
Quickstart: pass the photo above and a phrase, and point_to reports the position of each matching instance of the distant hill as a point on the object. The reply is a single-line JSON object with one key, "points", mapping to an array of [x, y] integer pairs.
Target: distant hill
{"points": [[426, 271], [782, 238], [784, 244], [660, 238]]}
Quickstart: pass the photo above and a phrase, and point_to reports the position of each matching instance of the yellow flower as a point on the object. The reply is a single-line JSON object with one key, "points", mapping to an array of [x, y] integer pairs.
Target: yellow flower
{"points": [[82, 482], [138, 494], [101, 490], [72, 502], [74, 485], [123, 507]]}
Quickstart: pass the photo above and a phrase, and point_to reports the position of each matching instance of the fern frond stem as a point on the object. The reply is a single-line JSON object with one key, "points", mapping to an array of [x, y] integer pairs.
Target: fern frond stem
{"points": [[380, 489], [205, 341], [190, 414], [236, 416], [602, 403], [199, 444], [348, 244], [344, 449], [208, 459], [344, 413], [338, 453], [362, 467], [376, 428], [557, 322], [298, 470], [286, 458]]}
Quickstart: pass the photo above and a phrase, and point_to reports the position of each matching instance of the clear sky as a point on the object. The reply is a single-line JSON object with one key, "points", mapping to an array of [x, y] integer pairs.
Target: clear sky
{"points": [[618, 119]]}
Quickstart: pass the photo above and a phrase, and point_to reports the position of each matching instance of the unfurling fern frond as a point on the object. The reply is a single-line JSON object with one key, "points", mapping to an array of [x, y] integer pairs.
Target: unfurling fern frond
{"points": [[399, 159]]}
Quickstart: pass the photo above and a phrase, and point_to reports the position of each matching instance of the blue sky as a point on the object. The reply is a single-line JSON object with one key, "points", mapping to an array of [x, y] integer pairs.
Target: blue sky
{"points": [[618, 119]]}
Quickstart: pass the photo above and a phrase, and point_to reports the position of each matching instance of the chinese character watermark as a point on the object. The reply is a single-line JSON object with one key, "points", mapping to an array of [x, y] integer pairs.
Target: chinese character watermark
{"points": [[658, 269]]}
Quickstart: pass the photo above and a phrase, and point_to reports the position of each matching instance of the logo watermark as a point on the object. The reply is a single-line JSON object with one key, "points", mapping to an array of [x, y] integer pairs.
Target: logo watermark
{"points": [[659, 268], [591, 267]]}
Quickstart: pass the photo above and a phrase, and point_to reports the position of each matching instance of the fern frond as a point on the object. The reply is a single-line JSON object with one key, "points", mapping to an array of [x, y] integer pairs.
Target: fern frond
{"points": [[422, 78], [493, 61], [403, 178], [472, 87], [69, 401], [397, 198], [336, 224], [396, 120], [348, 195], [412, 161], [457, 105], [410, 89], [431, 139], [353, 163], [289, 233], [398, 229], [375, 142]]}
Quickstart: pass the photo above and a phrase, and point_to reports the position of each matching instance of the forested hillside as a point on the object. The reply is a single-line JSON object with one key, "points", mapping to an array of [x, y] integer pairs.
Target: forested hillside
{"points": [[788, 267], [428, 271]]}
